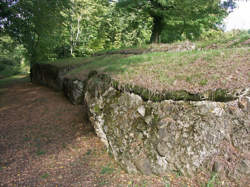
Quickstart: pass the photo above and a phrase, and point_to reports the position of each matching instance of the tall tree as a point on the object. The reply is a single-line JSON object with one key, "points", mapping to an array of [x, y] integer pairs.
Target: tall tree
{"points": [[93, 25], [34, 23], [82, 22], [186, 16]]}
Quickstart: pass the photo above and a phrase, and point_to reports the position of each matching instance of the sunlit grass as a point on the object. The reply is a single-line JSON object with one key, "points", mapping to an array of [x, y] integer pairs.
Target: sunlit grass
{"points": [[196, 67], [230, 39], [193, 70]]}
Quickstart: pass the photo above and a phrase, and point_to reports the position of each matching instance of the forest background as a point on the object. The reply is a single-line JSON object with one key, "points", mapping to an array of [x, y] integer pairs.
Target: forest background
{"points": [[34, 30]]}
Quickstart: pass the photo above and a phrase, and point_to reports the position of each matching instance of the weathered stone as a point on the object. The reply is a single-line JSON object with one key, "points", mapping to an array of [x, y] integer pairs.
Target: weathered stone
{"points": [[219, 167], [172, 135], [147, 133], [55, 77], [148, 120], [74, 90], [143, 165], [244, 103], [49, 75], [244, 167], [141, 110]]}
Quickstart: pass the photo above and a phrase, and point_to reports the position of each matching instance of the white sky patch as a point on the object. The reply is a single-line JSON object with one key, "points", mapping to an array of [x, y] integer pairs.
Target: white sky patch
{"points": [[239, 18]]}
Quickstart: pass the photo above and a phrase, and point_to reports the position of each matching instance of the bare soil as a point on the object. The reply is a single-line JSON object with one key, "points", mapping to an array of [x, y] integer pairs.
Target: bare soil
{"points": [[47, 141]]}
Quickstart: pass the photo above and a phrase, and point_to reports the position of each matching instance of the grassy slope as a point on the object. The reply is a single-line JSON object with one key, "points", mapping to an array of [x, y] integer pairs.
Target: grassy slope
{"points": [[222, 63]]}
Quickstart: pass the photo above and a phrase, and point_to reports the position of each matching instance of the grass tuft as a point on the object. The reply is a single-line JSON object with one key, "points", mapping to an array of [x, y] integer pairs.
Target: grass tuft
{"points": [[107, 170]]}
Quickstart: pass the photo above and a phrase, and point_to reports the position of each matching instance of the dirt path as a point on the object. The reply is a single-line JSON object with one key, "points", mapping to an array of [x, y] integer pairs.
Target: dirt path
{"points": [[46, 141]]}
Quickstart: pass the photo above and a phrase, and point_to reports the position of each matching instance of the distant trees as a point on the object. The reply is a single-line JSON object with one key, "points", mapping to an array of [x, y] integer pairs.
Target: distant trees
{"points": [[178, 17], [92, 25], [55, 29]]}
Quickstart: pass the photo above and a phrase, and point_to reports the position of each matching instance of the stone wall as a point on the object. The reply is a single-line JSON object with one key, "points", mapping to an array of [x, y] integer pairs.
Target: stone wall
{"points": [[181, 133], [48, 75], [55, 77], [171, 136]]}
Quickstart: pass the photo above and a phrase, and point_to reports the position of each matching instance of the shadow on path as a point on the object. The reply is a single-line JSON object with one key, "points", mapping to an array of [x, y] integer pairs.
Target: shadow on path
{"points": [[45, 140]]}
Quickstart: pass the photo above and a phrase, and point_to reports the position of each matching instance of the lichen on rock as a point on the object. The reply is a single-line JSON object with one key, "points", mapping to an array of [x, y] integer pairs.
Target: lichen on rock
{"points": [[160, 137], [161, 132]]}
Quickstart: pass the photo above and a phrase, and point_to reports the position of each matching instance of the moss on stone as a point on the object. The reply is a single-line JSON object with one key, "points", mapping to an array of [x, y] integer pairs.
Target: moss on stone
{"points": [[220, 95], [97, 109], [155, 96]]}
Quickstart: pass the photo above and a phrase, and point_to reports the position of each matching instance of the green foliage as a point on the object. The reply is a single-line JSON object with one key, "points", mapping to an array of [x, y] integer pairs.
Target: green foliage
{"points": [[10, 67], [13, 79], [45, 176], [44, 30], [94, 25], [179, 19], [9, 49], [107, 170], [50, 30], [166, 181], [12, 60], [212, 181], [36, 24]]}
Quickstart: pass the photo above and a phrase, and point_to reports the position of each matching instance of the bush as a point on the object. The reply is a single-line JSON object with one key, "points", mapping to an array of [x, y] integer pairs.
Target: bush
{"points": [[9, 67], [6, 61]]}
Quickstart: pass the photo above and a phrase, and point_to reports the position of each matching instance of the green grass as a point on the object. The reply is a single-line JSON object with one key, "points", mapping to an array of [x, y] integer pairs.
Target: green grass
{"points": [[13, 79], [89, 152], [107, 170], [194, 71], [213, 181], [229, 39], [198, 68], [118, 64], [102, 182], [144, 46], [26, 138], [45, 176], [72, 61], [40, 152], [166, 181]]}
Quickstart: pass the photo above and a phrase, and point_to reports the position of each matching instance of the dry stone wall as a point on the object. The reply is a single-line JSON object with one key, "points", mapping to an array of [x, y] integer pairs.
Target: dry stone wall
{"points": [[55, 77], [157, 136], [171, 136]]}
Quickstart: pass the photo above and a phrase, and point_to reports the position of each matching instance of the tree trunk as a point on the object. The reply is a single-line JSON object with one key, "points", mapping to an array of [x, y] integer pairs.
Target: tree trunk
{"points": [[156, 30]]}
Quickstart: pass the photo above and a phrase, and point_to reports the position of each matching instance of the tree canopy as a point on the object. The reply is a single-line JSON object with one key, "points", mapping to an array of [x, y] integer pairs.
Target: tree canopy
{"points": [[56, 29], [178, 17], [34, 23]]}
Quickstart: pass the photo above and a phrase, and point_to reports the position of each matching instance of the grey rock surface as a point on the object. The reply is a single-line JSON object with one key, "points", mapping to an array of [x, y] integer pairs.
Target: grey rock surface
{"points": [[74, 90], [178, 132], [49, 75], [55, 77], [171, 136]]}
